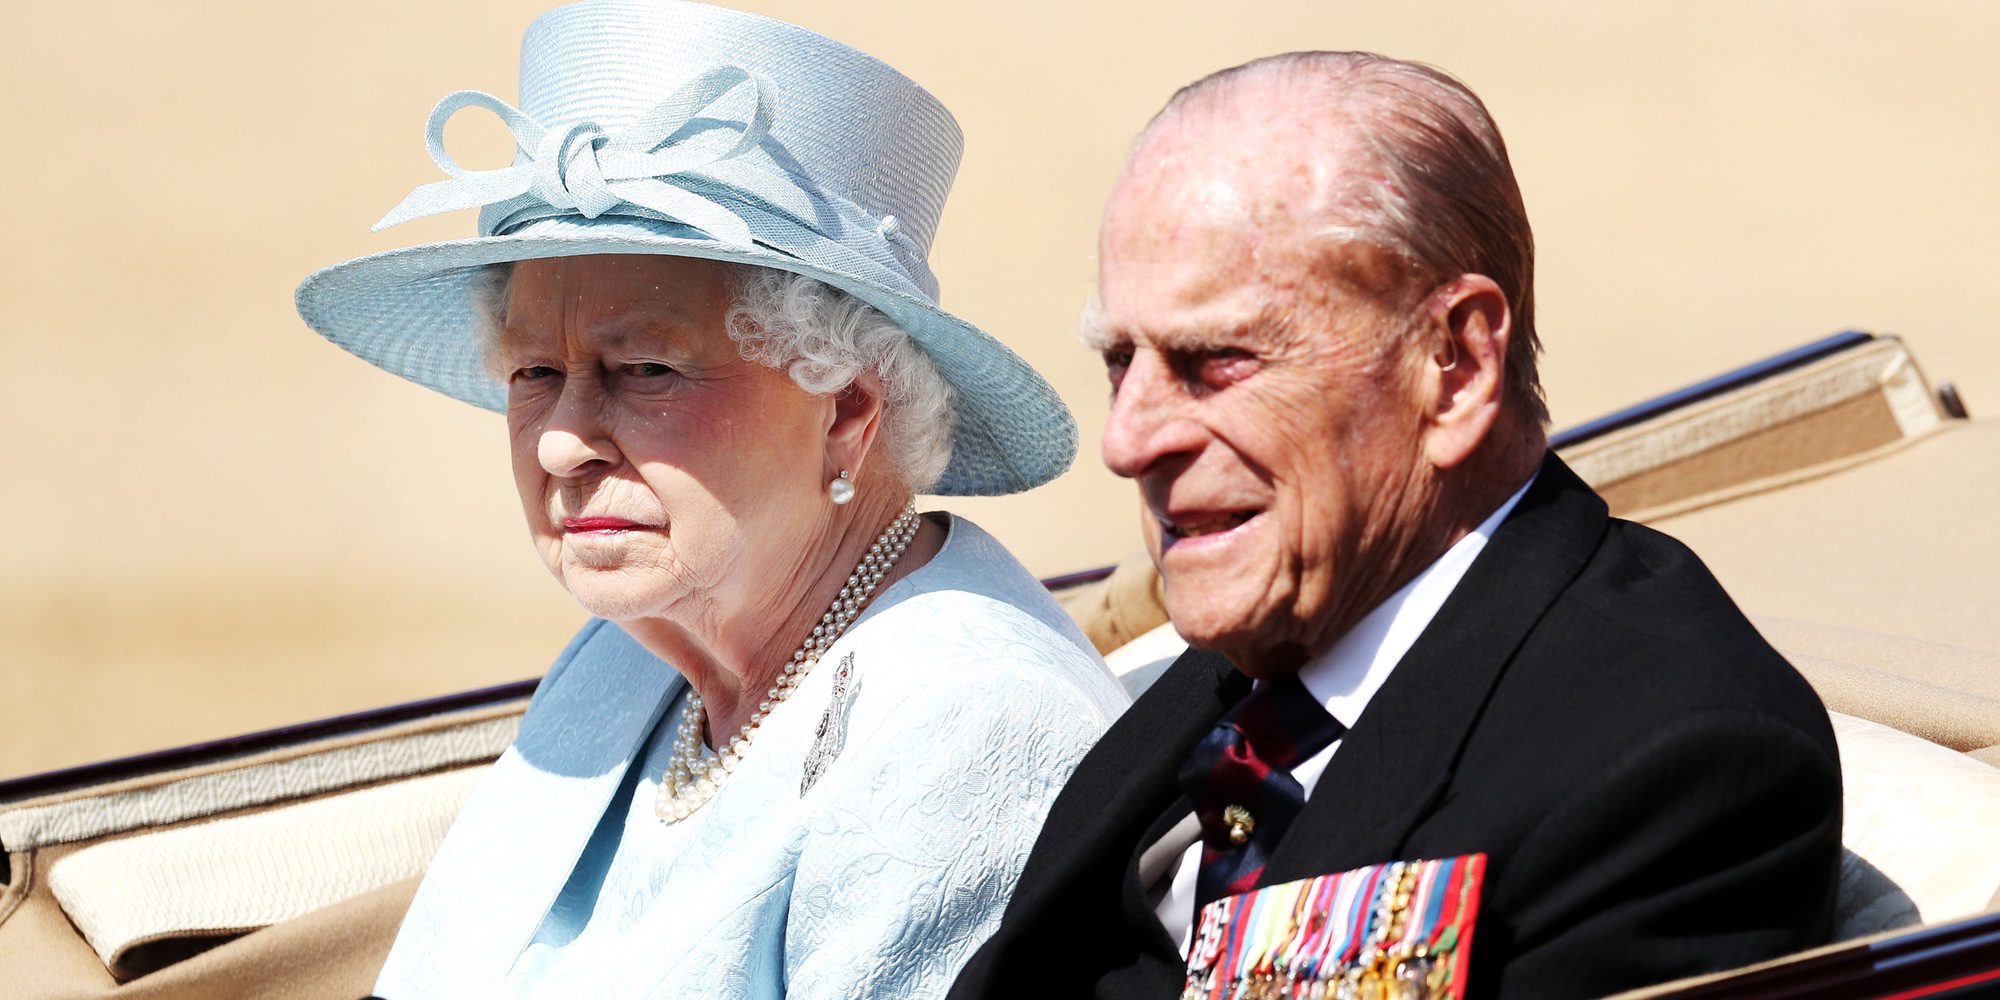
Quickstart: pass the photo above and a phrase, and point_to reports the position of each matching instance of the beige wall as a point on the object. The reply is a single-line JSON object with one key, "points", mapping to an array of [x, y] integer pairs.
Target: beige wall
{"points": [[217, 522]]}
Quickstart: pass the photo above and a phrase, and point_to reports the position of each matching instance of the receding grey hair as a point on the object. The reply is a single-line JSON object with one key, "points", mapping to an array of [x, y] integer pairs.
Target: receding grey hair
{"points": [[822, 337], [1441, 195]]}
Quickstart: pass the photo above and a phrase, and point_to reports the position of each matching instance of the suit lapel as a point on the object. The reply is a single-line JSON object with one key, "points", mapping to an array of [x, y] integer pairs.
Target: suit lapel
{"points": [[1094, 833], [521, 832], [1397, 760], [1134, 901], [1166, 842], [1199, 688]]}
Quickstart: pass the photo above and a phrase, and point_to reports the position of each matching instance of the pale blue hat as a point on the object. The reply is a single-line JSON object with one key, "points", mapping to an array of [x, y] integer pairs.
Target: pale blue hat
{"points": [[678, 128]]}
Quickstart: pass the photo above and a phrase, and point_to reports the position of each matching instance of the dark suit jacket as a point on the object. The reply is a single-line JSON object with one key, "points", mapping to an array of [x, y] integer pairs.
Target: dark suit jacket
{"points": [[1657, 791]]}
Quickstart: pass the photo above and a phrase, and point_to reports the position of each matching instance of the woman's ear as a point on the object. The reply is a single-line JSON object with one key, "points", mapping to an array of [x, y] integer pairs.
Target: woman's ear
{"points": [[1466, 372], [857, 418]]}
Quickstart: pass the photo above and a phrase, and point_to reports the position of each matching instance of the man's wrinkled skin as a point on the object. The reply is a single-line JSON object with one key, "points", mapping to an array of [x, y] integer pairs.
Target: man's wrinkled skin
{"points": [[1302, 430]]}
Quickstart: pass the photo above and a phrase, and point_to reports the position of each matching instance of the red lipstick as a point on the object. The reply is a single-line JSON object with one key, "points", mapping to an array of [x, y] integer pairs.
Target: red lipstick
{"points": [[579, 524]]}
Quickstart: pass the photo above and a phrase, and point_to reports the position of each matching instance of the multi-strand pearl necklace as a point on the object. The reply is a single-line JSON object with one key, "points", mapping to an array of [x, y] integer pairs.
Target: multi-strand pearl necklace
{"points": [[691, 779]]}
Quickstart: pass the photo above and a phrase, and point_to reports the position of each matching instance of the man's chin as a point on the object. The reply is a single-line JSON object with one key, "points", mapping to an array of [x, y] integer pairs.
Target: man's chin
{"points": [[1256, 643], [1217, 634]]}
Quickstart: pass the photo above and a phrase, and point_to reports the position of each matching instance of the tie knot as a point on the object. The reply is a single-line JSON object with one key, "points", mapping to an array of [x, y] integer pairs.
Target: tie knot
{"points": [[1239, 780], [1282, 723]]}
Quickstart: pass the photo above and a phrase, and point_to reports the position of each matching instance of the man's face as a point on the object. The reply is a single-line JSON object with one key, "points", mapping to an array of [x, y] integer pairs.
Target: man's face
{"points": [[1256, 396]]}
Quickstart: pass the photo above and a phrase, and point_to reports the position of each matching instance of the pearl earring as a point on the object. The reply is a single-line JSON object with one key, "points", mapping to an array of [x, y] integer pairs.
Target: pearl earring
{"points": [[841, 489]]}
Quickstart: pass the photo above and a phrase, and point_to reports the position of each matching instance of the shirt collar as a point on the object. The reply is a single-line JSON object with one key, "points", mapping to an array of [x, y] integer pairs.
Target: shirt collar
{"points": [[1350, 672]]}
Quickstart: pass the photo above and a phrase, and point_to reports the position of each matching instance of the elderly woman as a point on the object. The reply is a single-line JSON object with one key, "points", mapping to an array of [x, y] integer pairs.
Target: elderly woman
{"points": [[809, 738]]}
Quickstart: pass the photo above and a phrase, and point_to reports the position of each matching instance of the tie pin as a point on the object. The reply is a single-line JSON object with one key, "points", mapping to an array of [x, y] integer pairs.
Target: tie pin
{"points": [[1241, 824]]}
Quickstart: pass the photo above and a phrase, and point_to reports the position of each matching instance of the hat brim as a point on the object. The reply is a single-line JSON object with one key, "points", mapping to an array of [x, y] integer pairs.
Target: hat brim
{"points": [[408, 312]]}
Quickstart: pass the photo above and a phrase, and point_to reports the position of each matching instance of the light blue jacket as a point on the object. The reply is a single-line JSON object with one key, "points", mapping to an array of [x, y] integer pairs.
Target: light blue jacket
{"points": [[974, 697]]}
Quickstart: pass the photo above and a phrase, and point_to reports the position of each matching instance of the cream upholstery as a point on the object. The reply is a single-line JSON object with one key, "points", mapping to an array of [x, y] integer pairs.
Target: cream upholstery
{"points": [[174, 797], [1139, 663], [1830, 414], [1904, 545], [1114, 611], [1949, 695], [1921, 815], [228, 876], [280, 874]]}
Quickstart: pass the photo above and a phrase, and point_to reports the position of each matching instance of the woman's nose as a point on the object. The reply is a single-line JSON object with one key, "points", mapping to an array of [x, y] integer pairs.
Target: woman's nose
{"points": [[575, 438]]}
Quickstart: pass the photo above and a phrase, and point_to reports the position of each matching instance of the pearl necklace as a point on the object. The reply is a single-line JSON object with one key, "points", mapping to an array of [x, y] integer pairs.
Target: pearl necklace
{"points": [[691, 779]]}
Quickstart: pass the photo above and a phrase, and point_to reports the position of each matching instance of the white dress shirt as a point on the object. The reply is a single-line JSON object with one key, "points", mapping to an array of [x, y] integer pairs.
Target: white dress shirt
{"points": [[1344, 678]]}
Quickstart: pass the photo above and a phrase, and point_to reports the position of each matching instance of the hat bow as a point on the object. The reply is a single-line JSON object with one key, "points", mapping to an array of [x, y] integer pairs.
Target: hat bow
{"points": [[672, 161]]}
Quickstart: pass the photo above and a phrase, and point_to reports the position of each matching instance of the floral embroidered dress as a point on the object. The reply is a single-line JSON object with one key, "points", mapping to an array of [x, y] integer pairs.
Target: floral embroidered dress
{"points": [[972, 698]]}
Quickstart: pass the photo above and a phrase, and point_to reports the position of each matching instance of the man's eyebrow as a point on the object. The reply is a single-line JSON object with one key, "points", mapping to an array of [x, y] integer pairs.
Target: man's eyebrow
{"points": [[1191, 340], [1204, 341], [1099, 338], [1091, 331], [1096, 336]]}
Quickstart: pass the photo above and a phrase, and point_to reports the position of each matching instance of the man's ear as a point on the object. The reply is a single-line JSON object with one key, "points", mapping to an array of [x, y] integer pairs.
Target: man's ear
{"points": [[1465, 374], [857, 418]]}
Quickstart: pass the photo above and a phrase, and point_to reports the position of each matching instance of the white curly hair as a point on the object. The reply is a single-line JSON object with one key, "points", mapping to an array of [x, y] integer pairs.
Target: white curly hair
{"points": [[824, 339]]}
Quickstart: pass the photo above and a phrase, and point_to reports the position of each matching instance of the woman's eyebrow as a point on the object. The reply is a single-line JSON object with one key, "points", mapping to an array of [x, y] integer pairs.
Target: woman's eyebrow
{"points": [[622, 330]]}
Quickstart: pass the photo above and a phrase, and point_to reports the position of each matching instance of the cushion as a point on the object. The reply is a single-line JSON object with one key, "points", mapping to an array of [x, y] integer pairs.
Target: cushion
{"points": [[1139, 663], [1920, 816], [202, 884]]}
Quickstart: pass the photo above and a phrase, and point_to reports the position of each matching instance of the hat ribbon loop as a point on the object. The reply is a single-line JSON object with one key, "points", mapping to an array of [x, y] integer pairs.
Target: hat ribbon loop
{"points": [[588, 170]]}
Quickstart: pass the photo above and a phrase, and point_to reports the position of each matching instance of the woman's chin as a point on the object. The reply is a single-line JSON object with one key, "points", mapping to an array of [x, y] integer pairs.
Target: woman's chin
{"points": [[611, 594]]}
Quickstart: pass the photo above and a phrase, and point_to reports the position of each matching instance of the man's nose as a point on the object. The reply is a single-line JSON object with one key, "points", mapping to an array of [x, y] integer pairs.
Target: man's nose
{"points": [[576, 437], [1149, 420]]}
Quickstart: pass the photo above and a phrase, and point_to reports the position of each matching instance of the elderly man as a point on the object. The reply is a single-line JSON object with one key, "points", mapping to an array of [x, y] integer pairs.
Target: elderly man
{"points": [[1414, 629]]}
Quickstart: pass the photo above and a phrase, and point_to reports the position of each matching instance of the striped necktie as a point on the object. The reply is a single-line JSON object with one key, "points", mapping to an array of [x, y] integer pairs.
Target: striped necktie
{"points": [[1239, 779]]}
